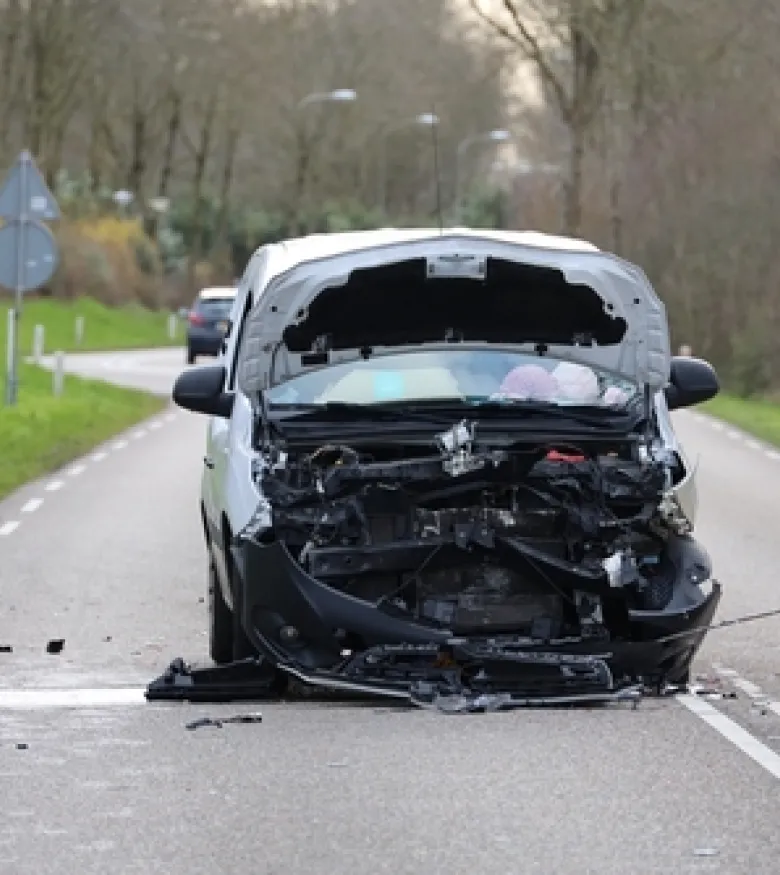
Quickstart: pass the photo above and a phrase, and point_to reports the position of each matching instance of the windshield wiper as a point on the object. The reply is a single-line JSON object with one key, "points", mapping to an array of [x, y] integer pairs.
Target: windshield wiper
{"points": [[592, 416], [351, 410]]}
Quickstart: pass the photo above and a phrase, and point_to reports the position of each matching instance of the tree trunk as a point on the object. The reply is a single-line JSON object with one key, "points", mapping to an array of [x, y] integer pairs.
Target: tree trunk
{"points": [[202, 153]]}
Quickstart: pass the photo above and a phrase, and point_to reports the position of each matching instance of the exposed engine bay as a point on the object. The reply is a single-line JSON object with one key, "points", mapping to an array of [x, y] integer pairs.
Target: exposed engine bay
{"points": [[519, 541]]}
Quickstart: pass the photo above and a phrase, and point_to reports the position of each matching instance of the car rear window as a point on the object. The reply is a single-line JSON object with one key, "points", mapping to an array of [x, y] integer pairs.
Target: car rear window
{"points": [[214, 307]]}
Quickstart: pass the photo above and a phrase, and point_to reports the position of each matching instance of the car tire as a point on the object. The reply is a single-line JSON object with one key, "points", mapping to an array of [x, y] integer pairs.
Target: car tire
{"points": [[242, 646], [220, 620], [190, 357]]}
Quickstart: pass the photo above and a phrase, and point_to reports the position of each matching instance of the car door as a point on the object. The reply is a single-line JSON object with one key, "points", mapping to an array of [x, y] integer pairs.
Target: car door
{"points": [[217, 427]]}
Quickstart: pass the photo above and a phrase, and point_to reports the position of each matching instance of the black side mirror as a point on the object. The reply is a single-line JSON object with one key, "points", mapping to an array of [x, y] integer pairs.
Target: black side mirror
{"points": [[691, 381], [201, 391]]}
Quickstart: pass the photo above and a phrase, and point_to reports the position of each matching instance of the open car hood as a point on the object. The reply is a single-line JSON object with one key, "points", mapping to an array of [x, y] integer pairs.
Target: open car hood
{"points": [[565, 298]]}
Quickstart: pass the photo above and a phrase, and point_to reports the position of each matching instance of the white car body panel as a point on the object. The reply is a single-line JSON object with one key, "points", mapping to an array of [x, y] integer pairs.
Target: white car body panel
{"points": [[228, 487]]}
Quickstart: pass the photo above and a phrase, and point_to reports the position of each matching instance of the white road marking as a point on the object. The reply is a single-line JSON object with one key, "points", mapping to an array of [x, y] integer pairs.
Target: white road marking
{"points": [[120, 445], [718, 426], [98, 457], [139, 434], [156, 424], [9, 527], [32, 505], [25, 700], [734, 435], [75, 470], [54, 485], [733, 732], [753, 445], [748, 687], [773, 455]]}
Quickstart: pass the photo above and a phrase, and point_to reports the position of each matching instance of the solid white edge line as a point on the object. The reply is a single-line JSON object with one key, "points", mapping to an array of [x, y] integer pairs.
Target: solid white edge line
{"points": [[98, 457], [32, 505], [9, 527], [120, 445], [733, 732], [748, 687], [32, 699], [75, 470], [53, 486]]}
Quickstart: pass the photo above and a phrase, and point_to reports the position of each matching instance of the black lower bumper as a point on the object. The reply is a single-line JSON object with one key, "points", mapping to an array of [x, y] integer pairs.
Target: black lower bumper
{"points": [[307, 630]]}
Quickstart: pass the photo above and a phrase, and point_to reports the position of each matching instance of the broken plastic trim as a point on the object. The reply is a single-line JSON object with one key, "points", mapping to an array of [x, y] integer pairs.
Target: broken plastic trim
{"points": [[236, 681]]}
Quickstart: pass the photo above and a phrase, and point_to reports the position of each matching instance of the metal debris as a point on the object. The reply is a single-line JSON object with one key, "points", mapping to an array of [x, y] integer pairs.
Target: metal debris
{"points": [[6, 648], [219, 722], [705, 852], [711, 692], [22, 745], [55, 645]]}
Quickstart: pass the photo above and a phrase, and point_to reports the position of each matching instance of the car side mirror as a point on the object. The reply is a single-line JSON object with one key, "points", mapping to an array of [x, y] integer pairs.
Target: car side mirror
{"points": [[201, 390], [691, 381]]}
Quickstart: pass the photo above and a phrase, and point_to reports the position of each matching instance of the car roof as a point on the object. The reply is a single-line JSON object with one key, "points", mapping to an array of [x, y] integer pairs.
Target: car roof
{"points": [[211, 293], [288, 253]]}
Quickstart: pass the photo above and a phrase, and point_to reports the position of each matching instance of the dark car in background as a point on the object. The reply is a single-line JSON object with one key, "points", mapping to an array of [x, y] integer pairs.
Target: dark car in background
{"points": [[208, 321]]}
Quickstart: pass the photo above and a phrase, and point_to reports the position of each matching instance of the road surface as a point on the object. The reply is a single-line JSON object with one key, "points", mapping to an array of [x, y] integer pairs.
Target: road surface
{"points": [[108, 556]]}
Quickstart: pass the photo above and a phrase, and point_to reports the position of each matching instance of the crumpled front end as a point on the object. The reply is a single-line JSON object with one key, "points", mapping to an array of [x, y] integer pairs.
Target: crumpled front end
{"points": [[514, 578]]}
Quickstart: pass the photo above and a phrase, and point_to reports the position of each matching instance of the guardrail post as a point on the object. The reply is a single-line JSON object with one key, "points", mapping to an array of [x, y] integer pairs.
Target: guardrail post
{"points": [[79, 330], [38, 341], [172, 326], [58, 375]]}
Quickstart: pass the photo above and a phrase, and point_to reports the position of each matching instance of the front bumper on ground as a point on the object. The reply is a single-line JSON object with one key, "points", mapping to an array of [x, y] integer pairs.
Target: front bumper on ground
{"points": [[303, 628], [301, 625]]}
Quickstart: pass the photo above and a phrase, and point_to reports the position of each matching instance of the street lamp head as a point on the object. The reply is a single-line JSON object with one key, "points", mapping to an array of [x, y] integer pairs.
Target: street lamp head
{"points": [[343, 95], [427, 118], [499, 135]]}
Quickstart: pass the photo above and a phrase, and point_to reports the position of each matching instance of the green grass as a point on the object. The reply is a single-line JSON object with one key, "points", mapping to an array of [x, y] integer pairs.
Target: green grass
{"points": [[756, 416], [43, 432], [127, 327]]}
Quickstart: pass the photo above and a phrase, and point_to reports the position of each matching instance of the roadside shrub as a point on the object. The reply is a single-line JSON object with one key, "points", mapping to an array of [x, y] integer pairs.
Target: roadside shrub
{"points": [[107, 258]]}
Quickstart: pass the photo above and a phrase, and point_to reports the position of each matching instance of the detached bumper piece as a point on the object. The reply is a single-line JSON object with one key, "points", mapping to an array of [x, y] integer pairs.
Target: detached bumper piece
{"points": [[249, 679], [462, 676], [459, 677]]}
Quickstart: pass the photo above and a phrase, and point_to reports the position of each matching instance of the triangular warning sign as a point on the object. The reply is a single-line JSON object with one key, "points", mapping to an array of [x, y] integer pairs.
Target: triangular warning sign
{"points": [[25, 192]]}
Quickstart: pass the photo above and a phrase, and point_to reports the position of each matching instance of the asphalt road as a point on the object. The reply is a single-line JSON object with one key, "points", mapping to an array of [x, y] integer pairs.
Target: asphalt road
{"points": [[108, 556]]}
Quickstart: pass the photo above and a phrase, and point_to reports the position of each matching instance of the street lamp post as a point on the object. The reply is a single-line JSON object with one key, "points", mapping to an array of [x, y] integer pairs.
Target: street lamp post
{"points": [[337, 95], [425, 119], [498, 135]]}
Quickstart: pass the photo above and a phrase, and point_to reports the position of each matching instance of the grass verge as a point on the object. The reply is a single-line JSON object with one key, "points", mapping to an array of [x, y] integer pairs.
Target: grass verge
{"points": [[44, 432], [756, 416], [127, 327]]}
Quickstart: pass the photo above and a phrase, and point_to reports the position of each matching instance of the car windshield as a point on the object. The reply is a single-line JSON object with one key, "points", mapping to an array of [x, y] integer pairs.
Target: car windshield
{"points": [[460, 375], [217, 308]]}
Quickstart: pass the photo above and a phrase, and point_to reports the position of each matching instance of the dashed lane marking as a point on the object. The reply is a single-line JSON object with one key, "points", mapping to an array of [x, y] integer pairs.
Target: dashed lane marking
{"points": [[78, 468]]}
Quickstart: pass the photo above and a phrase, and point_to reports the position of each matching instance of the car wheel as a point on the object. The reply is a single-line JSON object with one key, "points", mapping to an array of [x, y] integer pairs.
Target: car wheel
{"points": [[220, 620], [190, 357]]}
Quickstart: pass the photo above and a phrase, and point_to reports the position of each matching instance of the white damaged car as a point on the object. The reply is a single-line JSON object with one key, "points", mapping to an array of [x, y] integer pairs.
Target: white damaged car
{"points": [[442, 463]]}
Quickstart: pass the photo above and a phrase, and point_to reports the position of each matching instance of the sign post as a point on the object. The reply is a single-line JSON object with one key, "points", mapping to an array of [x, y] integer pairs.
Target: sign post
{"points": [[28, 250]]}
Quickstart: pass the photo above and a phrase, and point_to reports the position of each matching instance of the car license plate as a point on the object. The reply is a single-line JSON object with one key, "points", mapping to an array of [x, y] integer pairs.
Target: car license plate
{"points": [[222, 326]]}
